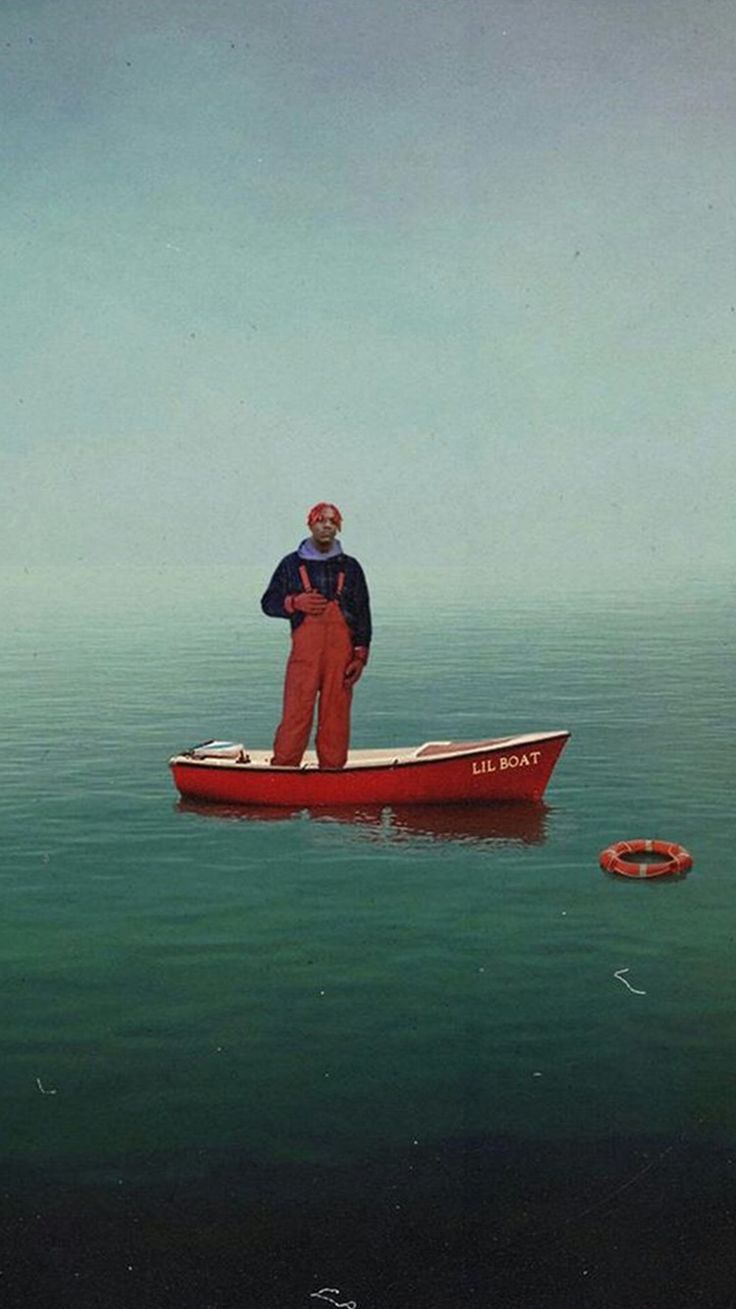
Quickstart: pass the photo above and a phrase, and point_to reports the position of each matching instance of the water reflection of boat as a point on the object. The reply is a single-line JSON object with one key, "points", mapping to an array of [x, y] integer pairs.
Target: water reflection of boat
{"points": [[437, 772], [520, 822]]}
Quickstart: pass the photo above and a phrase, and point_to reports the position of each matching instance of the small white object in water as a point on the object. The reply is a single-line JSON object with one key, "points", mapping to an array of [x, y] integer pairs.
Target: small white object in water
{"points": [[326, 1294], [42, 1089], [623, 979]]}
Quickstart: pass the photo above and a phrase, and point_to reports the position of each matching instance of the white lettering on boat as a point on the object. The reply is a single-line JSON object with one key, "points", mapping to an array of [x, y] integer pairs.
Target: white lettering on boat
{"points": [[504, 762]]}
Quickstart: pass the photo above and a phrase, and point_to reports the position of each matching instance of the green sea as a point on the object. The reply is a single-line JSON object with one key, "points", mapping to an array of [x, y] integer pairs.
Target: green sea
{"points": [[370, 1058]]}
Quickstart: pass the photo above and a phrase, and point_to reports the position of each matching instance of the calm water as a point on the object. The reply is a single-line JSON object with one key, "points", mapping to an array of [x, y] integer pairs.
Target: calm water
{"points": [[382, 1056]]}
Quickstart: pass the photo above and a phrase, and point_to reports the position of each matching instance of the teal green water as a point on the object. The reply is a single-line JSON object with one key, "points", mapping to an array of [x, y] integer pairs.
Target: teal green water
{"points": [[186, 989]]}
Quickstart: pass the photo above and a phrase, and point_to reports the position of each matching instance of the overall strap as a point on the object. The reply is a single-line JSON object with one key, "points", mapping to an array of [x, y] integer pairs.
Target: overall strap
{"points": [[304, 575]]}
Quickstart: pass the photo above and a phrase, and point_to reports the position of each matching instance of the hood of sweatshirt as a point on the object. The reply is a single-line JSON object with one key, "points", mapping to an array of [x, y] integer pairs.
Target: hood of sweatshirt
{"points": [[308, 550]]}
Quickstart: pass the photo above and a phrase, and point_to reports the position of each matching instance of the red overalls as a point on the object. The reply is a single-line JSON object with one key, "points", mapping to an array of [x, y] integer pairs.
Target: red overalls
{"points": [[321, 649]]}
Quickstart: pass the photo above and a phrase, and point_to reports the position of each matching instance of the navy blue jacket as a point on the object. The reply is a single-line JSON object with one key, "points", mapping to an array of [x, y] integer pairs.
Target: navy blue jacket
{"points": [[323, 574]]}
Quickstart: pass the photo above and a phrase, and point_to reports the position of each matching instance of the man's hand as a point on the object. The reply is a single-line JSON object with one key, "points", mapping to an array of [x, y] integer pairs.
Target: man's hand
{"points": [[308, 602], [353, 671]]}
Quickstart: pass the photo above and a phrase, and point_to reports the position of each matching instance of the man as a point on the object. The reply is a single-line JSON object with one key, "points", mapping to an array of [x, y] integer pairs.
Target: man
{"points": [[324, 595]]}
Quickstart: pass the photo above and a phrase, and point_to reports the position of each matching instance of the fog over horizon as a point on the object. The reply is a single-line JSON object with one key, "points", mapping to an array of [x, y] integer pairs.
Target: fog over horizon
{"points": [[467, 270]]}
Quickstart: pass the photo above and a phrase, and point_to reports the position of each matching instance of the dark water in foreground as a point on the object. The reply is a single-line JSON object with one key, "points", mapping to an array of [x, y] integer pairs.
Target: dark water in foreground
{"points": [[381, 1056]]}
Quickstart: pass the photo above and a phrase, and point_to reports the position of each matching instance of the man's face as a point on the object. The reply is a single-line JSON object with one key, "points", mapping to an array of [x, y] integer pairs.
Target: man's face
{"points": [[324, 530]]}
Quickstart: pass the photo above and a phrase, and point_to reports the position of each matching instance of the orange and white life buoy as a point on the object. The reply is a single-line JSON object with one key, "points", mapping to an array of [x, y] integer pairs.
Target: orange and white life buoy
{"points": [[676, 859]]}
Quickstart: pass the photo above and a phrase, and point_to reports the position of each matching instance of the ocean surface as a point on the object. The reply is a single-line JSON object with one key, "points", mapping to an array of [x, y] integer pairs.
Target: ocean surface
{"points": [[373, 1059]]}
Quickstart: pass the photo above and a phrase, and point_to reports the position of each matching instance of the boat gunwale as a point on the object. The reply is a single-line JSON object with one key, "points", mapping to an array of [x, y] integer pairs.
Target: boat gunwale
{"points": [[398, 761]]}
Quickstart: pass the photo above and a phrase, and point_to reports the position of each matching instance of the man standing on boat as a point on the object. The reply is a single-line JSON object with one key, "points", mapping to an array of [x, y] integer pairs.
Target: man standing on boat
{"points": [[324, 595]]}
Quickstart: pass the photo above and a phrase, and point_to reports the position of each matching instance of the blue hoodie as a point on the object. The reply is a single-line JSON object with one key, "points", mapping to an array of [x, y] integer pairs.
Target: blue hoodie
{"points": [[324, 570]]}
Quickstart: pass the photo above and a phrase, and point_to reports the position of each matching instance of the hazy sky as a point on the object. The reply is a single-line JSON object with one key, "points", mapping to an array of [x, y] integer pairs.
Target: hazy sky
{"points": [[467, 268]]}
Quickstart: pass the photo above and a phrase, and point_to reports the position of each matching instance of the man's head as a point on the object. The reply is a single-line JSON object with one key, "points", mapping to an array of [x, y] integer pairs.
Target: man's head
{"points": [[324, 521]]}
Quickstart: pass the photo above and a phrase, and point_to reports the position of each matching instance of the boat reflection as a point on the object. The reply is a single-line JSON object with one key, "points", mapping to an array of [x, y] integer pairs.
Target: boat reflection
{"points": [[519, 822]]}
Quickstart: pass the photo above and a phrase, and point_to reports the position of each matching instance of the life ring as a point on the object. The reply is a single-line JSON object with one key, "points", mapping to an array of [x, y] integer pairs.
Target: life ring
{"points": [[677, 859]]}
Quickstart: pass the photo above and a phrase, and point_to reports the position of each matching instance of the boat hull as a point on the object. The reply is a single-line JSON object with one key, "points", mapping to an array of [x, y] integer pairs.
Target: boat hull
{"points": [[445, 773]]}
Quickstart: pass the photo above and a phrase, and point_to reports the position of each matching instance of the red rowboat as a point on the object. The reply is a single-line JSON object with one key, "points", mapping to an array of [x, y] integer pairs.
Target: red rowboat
{"points": [[438, 772]]}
